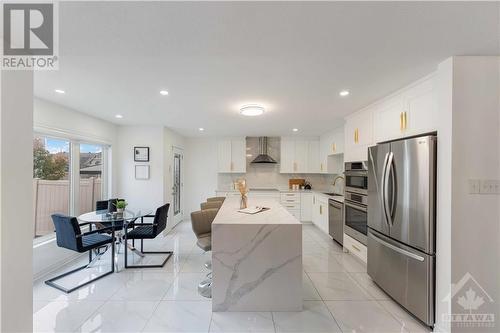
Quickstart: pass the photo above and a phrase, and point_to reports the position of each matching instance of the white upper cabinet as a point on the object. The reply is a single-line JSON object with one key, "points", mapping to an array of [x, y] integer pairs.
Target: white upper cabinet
{"points": [[313, 162], [231, 155], [331, 150], [299, 155], [409, 112], [358, 135]]}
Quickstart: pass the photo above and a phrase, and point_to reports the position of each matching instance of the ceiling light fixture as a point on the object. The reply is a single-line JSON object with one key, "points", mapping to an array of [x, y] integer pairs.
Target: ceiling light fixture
{"points": [[344, 93], [118, 116], [163, 92], [60, 91], [252, 110], [295, 129], [201, 129]]}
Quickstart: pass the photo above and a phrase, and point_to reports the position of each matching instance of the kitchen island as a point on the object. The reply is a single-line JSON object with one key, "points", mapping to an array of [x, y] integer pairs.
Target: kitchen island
{"points": [[256, 259]]}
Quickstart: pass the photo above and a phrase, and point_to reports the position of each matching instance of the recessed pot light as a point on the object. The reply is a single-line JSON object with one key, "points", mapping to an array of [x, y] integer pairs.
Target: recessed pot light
{"points": [[201, 129], [295, 129], [163, 92], [252, 110], [344, 93], [60, 91], [119, 116]]}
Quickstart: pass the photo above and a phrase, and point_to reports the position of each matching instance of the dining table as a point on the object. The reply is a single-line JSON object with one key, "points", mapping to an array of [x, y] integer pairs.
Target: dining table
{"points": [[119, 222]]}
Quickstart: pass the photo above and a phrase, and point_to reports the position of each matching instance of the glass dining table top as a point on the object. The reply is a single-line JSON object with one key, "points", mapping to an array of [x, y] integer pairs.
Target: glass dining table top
{"points": [[105, 216]]}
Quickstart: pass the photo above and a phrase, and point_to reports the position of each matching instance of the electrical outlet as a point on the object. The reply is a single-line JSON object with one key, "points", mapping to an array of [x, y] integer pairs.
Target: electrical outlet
{"points": [[474, 186], [490, 186]]}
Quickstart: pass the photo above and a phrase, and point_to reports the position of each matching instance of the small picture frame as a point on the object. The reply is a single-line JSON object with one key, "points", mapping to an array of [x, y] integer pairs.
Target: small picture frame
{"points": [[142, 172], [141, 154]]}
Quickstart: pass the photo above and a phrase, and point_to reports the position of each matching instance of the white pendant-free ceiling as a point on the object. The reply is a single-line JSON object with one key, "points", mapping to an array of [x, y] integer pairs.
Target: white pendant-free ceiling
{"points": [[213, 57]]}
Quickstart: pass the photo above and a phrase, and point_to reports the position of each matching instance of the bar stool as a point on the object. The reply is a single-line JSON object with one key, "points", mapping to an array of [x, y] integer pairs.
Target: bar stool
{"points": [[211, 205], [201, 221], [216, 199]]}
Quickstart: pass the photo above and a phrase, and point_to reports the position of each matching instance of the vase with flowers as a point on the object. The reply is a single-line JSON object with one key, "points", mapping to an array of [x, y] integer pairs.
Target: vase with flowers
{"points": [[242, 187]]}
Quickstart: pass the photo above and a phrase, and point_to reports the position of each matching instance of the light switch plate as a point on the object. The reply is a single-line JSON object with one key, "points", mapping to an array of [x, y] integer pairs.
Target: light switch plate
{"points": [[490, 186], [474, 186]]}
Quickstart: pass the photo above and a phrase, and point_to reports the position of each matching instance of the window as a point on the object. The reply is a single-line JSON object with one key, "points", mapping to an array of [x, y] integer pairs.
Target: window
{"points": [[51, 181], [91, 176], [59, 190]]}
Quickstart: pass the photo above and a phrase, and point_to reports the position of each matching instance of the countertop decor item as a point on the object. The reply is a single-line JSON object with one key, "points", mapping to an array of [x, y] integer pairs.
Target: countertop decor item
{"points": [[295, 181], [243, 188], [141, 154]]}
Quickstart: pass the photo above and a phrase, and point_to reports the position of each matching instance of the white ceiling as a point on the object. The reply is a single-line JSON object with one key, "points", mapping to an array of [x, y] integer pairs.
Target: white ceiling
{"points": [[292, 57]]}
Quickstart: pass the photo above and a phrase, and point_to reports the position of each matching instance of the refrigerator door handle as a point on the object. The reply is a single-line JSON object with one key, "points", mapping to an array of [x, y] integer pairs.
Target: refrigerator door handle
{"points": [[386, 188], [382, 193], [392, 174], [397, 249]]}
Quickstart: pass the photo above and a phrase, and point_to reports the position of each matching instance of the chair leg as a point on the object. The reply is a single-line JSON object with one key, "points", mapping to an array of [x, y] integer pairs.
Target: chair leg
{"points": [[169, 254], [51, 282]]}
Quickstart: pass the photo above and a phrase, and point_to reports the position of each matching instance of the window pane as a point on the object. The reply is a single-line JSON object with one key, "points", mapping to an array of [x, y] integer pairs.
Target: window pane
{"points": [[51, 160], [91, 166]]}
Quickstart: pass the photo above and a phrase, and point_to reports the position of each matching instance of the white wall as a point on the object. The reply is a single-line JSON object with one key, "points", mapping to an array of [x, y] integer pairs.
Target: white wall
{"points": [[468, 231], [54, 119], [157, 190], [201, 171], [16, 195], [140, 193]]}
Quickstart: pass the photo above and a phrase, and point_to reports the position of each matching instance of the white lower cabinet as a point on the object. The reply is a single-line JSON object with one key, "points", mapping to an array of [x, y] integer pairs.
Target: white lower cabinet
{"points": [[354, 247], [320, 212], [291, 202], [306, 206]]}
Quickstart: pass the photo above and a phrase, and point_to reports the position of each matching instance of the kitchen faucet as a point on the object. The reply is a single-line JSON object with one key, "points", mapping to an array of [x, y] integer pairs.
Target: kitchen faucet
{"points": [[337, 178]]}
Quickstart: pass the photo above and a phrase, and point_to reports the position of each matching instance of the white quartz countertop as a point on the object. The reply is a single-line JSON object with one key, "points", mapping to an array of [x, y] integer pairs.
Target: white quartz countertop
{"points": [[277, 214]]}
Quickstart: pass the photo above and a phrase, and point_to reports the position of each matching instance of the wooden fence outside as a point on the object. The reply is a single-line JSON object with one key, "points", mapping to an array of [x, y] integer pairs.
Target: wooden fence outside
{"points": [[52, 196]]}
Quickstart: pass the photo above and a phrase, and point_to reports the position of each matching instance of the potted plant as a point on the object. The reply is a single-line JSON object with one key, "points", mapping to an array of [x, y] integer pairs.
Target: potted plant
{"points": [[120, 206]]}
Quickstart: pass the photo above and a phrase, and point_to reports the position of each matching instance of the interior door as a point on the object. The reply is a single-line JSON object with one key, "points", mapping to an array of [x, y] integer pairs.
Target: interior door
{"points": [[411, 175], [177, 185], [377, 159]]}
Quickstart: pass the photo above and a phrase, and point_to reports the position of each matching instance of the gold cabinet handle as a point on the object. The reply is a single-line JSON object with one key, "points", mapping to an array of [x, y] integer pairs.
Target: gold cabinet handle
{"points": [[355, 247], [334, 147], [401, 121], [355, 131], [320, 210], [404, 120], [321, 166]]}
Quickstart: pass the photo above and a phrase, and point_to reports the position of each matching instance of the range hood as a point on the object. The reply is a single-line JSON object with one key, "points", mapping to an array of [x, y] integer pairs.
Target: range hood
{"points": [[263, 157]]}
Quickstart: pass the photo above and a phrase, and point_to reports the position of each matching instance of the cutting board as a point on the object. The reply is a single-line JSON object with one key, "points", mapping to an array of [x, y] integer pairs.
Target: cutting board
{"points": [[296, 181]]}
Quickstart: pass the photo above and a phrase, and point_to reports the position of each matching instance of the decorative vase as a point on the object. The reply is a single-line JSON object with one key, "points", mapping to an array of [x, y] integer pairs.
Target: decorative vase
{"points": [[243, 202], [119, 210]]}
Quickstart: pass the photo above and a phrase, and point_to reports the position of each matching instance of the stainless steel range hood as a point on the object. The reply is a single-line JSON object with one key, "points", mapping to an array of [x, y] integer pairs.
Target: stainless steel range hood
{"points": [[263, 157]]}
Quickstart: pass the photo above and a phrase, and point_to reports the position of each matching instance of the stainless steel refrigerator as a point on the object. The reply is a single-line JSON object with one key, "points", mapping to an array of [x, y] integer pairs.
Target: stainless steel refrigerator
{"points": [[401, 222]]}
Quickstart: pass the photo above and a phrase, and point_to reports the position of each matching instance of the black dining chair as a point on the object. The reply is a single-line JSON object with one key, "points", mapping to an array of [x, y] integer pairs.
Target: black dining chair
{"points": [[70, 236], [149, 231]]}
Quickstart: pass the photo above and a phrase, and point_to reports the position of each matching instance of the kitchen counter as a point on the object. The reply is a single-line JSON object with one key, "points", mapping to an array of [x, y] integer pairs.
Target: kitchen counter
{"points": [[256, 259]]}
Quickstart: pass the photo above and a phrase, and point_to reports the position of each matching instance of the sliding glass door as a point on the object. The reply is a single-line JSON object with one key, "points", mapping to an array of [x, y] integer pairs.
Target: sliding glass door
{"points": [[51, 181], [69, 176]]}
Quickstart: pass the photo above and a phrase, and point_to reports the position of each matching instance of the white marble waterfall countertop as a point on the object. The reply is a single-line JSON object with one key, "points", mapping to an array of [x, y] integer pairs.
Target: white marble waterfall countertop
{"points": [[256, 258], [277, 214]]}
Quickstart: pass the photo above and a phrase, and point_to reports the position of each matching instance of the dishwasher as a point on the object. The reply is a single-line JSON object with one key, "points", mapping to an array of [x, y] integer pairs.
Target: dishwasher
{"points": [[336, 220]]}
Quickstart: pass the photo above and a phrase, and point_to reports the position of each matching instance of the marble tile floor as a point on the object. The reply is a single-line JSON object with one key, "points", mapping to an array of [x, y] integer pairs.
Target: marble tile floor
{"points": [[338, 296]]}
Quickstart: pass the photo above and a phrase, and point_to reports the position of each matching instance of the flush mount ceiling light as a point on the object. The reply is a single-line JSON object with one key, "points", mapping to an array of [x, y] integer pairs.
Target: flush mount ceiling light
{"points": [[252, 110], [344, 93], [118, 116], [201, 129], [295, 129], [59, 91], [163, 92]]}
